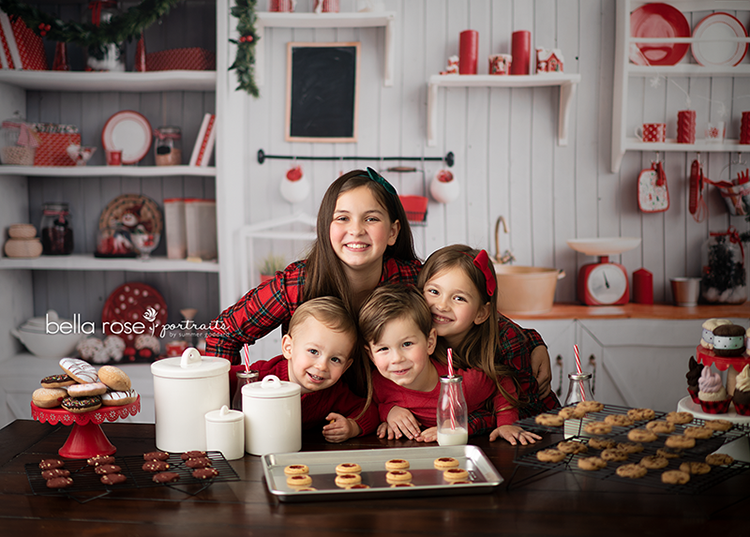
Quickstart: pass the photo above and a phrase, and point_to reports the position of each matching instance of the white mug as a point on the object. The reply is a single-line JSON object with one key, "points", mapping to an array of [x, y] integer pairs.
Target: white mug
{"points": [[715, 131]]}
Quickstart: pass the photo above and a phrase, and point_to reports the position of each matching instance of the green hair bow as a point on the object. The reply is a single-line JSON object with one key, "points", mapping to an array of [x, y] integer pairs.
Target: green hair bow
{"points": [[375, 176]]}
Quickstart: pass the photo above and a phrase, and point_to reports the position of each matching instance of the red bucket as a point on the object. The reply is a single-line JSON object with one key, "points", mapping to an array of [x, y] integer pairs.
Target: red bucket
{"points": [[415, 207]]}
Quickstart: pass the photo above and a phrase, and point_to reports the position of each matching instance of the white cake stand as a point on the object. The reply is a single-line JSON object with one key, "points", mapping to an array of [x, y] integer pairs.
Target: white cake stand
{"points": [[740, 448]]}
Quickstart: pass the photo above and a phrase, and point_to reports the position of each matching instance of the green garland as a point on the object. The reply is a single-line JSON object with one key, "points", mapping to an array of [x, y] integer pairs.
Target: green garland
{"points": [[244, 62], [94, 38]]}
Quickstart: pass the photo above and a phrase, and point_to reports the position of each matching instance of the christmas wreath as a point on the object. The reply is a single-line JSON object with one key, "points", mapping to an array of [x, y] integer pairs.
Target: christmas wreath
{"points": [[95, 38], [244, 10]]}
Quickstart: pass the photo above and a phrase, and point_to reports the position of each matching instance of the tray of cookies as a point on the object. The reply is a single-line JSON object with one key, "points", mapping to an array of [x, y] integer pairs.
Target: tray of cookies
{"points": [[379, 473], [104, 473], [671, 450]]}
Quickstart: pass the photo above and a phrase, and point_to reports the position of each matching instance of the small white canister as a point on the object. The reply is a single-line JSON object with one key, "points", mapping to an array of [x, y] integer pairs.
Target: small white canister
{"points": [[273, 416], [185, 389], [225, 432]]}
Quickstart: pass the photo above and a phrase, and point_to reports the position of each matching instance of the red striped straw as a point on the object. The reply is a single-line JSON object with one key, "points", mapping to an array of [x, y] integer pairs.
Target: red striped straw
{"points": [[451, 393], [578, 367], [246, 357]]}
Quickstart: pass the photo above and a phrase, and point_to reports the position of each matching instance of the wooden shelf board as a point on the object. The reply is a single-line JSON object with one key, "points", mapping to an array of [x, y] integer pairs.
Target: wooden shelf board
{"points": [[109, 81], [89, 262]]}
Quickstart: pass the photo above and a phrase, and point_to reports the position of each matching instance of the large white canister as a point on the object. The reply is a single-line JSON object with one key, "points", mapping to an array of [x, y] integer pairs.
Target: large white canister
{"points": [[273, 416], [185, 389]]}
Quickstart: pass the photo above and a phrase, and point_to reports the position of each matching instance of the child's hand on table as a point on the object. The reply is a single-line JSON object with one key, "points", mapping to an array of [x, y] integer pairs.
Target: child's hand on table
{"points": [[428, 435], [340, 428], [513, 434], [402, 422]]}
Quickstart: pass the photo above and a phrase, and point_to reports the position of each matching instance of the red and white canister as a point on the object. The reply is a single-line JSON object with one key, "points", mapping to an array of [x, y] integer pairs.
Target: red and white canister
{"points": [[326, 6], [745, 128], [285, 6]]}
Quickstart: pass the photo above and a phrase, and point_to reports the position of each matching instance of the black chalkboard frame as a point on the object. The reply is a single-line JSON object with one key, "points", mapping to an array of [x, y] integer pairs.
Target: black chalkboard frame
{"points": [[295, 104]]}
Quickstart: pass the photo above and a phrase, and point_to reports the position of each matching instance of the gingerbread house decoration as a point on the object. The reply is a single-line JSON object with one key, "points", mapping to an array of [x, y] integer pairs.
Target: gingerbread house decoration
{"points": [[549, 60]]}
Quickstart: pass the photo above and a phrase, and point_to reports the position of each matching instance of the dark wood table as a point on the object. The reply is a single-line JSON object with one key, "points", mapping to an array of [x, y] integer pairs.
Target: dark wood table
{"points": [[562, 503]]}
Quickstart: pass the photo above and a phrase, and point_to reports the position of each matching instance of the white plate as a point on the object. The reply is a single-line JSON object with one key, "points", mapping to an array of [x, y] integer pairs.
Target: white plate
{"points": [[712, 51], [604, 245], [130, 132]]}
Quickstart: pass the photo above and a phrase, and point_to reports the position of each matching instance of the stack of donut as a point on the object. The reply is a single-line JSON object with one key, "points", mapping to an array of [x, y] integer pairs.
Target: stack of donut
{"points": [[82, 388]]}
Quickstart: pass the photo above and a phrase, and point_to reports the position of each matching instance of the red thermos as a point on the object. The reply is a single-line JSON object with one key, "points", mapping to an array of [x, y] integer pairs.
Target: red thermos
{"points": [[521, 51], [643, 286], [468, 52]]}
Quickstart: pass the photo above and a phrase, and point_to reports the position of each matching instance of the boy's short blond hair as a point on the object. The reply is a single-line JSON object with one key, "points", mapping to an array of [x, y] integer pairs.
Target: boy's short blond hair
{"points": [[393, 301], [327, 310]]}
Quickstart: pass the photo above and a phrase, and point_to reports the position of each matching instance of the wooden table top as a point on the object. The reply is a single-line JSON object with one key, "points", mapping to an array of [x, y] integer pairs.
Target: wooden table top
{"points": [[548, 504]]}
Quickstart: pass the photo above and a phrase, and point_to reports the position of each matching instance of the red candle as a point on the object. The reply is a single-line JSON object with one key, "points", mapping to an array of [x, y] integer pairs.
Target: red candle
{"points": [[521, 51], [643, 287], [468, 52], [686, 127], [745, 128]]}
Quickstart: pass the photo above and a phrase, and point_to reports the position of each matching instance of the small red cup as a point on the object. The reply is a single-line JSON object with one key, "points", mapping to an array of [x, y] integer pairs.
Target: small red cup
{"points": [[114, 157], [652, 132]]}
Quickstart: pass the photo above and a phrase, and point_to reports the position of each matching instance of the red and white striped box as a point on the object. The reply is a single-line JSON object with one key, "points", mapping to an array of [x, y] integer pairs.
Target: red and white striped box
{"points": [[30, 46], [190, 59], [51, 150]]}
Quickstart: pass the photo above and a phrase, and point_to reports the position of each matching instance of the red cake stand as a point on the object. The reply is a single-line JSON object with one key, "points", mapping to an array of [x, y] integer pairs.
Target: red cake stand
{"points": [[731, 364], [86, 438]]}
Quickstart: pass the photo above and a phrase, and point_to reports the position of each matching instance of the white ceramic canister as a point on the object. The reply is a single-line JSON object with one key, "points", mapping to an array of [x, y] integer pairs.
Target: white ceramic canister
{"points": [[225, 432], [185, 389], [273, 416]]}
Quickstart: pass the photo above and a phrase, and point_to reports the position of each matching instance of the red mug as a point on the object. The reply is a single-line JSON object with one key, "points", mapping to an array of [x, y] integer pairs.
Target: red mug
{"points": [[652, 132], [114, 157]]}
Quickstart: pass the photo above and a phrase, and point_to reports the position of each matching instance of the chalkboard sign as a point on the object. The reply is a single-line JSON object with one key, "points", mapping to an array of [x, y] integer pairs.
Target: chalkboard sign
{"points": [[321, 92]]}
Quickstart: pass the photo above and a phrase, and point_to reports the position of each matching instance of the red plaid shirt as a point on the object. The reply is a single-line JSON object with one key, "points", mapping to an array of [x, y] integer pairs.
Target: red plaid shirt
{"points": [[272, 304]]}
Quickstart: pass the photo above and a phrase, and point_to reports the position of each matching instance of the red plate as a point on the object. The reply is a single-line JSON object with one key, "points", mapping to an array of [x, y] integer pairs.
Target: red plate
{"points": [[658, 20], [133, 303]]}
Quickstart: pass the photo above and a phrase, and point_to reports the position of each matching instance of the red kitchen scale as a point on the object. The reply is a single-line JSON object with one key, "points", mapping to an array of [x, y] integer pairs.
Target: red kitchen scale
{"points": [[603, 283]]}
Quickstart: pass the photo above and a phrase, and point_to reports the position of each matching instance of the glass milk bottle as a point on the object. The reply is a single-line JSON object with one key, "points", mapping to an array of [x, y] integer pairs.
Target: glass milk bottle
{"points": [[579, 389], [452, 417]]}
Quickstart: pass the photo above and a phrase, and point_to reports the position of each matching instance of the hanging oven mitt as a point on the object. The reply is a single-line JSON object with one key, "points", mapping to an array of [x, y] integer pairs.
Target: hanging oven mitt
{"points": [[653, 196]]}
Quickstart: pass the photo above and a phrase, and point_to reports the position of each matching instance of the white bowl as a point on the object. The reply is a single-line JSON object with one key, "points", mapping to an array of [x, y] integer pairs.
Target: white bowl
{"points": [[48, 345]]}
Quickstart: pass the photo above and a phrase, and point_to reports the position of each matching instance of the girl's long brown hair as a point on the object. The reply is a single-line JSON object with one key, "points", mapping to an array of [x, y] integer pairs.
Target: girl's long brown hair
{"points": [[324, 274], [480, 348]]}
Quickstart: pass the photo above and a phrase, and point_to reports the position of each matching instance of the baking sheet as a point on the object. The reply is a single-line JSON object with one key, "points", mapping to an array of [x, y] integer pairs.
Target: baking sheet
{"points": [[427, 481]]}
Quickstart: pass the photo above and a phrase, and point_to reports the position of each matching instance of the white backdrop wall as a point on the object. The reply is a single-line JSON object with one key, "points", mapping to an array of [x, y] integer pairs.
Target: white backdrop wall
{"points": [[507, 158]]}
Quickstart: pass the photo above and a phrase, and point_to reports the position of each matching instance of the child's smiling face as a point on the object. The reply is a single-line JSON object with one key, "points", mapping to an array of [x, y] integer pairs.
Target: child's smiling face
{"points": [[361, 229], [402, 354], [317, 355], [455, 304]]}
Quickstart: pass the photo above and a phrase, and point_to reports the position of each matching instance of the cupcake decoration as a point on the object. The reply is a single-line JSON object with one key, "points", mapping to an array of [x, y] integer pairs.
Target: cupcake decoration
{"points": [[707, 336], [712, 394], [692, 376], [741, 398], [729, 340]]}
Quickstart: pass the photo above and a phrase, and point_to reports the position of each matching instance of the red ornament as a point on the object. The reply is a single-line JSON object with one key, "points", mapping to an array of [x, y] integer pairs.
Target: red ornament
{"points": [[246, 39]]}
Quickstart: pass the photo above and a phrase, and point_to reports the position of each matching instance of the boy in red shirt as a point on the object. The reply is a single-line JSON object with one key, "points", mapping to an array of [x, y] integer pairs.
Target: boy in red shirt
{"points": [[317, 350], [396, 323]]}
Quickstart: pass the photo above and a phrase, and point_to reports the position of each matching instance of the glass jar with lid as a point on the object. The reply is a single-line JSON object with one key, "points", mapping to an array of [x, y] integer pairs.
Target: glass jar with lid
{"points": [[18, 141], [55, 229], [168, 146]]}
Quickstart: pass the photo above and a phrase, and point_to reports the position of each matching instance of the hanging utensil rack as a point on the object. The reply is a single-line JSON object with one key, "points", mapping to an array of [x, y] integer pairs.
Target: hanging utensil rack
{"points": [[449, 158]]}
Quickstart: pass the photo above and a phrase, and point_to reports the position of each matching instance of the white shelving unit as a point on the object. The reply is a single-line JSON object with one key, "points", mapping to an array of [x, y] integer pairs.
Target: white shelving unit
{"points": [[622, 140], [567, 83], [325, 20]]}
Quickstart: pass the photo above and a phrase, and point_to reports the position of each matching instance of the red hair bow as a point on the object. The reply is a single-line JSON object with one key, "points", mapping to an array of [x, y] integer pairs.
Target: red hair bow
{"points": [[483, 263]]}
